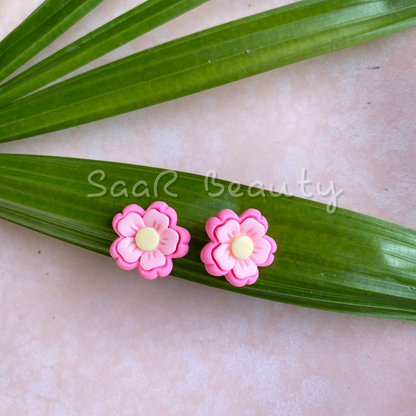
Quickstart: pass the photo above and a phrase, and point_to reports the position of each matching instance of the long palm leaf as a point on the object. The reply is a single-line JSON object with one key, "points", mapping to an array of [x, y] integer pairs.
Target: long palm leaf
{"points": [[205, 60], [345, 262]]}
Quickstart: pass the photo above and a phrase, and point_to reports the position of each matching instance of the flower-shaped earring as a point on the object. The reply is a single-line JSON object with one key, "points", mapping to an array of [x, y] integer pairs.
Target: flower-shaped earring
{"points": [[148, 239], [238, 246]]}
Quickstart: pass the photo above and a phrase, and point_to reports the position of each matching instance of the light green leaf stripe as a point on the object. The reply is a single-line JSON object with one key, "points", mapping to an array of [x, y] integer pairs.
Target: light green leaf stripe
{"points": [[41, 28], [205, 60], [136, 22], [344, 262]]}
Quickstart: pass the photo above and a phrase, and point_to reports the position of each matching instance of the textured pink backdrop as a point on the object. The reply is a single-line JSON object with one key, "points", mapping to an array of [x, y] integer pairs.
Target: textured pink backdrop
{"points": [[81, 337]]}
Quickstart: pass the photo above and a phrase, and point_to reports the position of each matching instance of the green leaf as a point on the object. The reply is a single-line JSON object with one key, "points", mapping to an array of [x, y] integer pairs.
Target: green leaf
{"points": [[344, 262], [136, 22], [41, 28], [204, 60]]}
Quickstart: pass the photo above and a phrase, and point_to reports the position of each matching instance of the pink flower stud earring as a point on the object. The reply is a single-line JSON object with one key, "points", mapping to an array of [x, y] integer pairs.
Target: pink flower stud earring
{"points": [[238, 246], [148, 240]]}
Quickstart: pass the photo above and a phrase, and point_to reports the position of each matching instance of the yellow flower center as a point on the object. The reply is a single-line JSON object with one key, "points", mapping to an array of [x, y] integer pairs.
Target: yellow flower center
{"points": [[147, 239], [242, 247]]}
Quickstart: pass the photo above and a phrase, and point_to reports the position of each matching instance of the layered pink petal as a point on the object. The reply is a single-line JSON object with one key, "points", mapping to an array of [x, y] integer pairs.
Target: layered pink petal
{"points": [[165, 209], [130, 224], [270, 260], [261, 252], [161, 271], [223, 257], [230, 276], [256, 215], [228, 231], [245, 268], [151, 259], [168, 241], [207, 258], [156, 220], [252, 228], [183, 245], [128, 250]]}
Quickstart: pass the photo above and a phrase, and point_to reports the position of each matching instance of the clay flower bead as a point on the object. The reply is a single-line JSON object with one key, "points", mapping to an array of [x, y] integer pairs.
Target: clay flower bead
{"points": [[238, 246], [148, 239]]}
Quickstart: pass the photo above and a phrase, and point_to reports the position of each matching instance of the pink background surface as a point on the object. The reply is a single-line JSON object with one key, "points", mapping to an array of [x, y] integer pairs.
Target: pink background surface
{"points": [[81, 337]]}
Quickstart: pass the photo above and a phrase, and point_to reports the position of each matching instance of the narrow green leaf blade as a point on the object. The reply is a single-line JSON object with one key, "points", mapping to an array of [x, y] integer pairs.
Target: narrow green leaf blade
{"points": [[205, 60], [344, 262], [41, 28], [136, 22]]}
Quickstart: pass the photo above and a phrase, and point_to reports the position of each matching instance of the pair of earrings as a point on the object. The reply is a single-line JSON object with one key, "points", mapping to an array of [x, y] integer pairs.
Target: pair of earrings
{"points": [[150, 239]]}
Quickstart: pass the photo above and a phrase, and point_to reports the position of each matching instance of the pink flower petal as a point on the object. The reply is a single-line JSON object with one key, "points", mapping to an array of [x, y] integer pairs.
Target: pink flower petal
{"points": [[223, 257], [207, 258], [128, 250], [228, 231], [231, 277], [252, 228], [168, 241], [261, 252], [244, 268], [151, 259], [130, 224], [156, 220]]}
